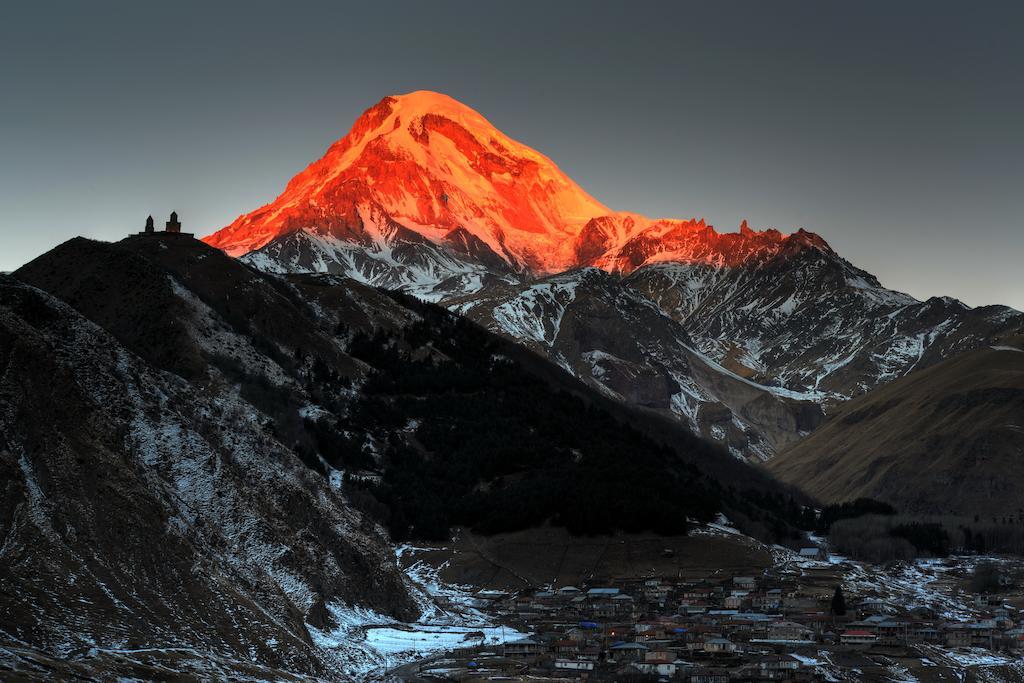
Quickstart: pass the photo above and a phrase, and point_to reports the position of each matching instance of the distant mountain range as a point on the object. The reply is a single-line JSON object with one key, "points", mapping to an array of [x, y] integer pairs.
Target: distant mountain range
{"points": [[746, 337]]}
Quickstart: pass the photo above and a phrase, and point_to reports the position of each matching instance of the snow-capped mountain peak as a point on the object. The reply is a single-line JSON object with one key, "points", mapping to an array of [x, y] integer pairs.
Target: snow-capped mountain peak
{"points": [[433, 165], [437, 168]]}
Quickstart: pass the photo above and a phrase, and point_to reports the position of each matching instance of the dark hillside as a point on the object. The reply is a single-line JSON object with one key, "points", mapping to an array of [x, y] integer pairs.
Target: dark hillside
{"points": [[436, 421], [138, 510]]}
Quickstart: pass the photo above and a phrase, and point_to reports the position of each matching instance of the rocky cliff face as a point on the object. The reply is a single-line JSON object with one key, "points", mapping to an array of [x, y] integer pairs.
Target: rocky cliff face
{"points": [[808, 321], [619, 341], [750, 354]]}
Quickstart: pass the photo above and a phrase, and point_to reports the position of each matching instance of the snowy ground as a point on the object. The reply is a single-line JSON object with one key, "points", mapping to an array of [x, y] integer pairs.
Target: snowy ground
{"points": [[720, 527], [925, 583], [368, 645]]}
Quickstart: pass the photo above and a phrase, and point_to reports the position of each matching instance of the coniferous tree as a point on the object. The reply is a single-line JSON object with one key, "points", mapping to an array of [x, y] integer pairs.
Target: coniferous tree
{"points": [[838, 603]]}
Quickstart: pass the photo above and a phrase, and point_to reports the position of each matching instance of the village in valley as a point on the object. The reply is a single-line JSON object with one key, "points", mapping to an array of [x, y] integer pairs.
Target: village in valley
{"points": [[808, 616]]}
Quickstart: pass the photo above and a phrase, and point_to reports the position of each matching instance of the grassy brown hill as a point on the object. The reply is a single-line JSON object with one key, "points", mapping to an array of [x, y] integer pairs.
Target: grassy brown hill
{"points": [[548, 555], [948, 439]]}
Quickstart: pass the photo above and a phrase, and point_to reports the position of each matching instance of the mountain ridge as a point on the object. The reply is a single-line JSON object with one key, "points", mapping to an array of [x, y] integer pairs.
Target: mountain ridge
{"points": [[435, 166], [754, 326]]}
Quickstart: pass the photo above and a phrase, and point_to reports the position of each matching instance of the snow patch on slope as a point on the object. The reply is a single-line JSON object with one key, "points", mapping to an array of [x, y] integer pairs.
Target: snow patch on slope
{"points": [[368, 643], [536, 313]]}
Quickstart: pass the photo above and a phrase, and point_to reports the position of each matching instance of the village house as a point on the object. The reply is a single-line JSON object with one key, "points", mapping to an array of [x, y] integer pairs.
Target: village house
{"points": [[660, 663], [892, 632], [623, 606], [923, 632], [870, 623], [812, 553], [698, 595], [697, 634], [577, 634], [1015, 639], [739, 627], [574, 664], [658, 667], [817, 622], [703, 675], [524, 647], [719, 645], [522, 602], [957, 635], [789, 631], [736, 599], [983, 633], [858, 638], [770, 599], [1002, 618], [655, 592], [628, 652], [770, 668]]}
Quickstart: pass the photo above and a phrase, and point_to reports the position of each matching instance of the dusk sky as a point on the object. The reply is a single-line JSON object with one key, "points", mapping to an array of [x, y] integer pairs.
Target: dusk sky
{"points": [[894, 130]]}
